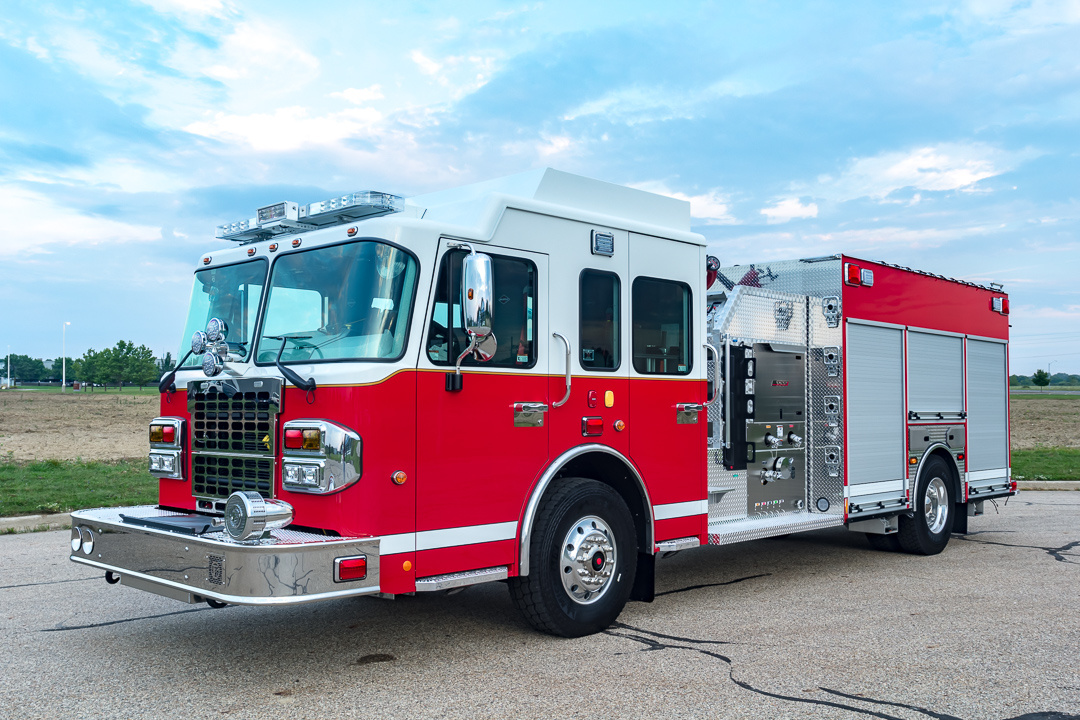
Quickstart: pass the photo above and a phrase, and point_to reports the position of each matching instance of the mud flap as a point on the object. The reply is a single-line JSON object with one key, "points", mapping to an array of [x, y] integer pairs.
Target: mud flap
{"points": [[644, 589]]}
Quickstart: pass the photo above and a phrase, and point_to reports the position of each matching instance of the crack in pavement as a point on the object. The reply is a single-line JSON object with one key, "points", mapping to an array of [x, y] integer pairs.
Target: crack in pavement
{"points": [[1060, 553], [654, 641], [708, 585], [49, 582], [61, 627]]}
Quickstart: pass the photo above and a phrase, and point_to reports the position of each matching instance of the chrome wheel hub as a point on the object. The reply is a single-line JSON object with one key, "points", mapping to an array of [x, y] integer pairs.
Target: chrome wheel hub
{"points": [[936, 505], [587, 561]]}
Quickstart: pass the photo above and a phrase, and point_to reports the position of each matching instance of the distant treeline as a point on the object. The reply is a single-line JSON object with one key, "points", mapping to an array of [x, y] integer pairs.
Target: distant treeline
{"points": [[123, 364], [1041, 379]]}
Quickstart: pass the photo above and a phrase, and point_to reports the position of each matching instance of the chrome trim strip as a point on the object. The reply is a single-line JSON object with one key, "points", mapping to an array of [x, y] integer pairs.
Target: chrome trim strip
{"points": [[667, 511], [876, 323], [534, 500], [461, 579], [468, 535], [400, 543]]}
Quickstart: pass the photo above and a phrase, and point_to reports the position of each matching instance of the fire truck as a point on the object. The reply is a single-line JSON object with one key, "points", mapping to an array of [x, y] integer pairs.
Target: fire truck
{"points": [[544, 380]]}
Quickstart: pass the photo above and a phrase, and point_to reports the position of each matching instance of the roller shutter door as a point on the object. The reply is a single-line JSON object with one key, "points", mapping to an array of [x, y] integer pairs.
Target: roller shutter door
{"points": [[935, 373], [988, 407], [875, 404]]}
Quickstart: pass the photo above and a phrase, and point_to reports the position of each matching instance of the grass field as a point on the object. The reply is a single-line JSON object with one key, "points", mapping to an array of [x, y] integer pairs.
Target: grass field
{"points": [[1046, 464], [111, 390], [50, 486]]}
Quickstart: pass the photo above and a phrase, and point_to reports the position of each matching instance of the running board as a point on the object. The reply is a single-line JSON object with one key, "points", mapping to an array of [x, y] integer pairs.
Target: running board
{"points": [[461, 579], [755, 528]]}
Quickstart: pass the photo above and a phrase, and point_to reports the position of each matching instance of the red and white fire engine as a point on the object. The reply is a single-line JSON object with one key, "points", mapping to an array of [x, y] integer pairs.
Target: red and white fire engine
{"points": [[544, 380]]}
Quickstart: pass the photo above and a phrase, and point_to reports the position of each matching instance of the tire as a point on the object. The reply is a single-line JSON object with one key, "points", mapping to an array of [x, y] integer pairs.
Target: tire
{"points": [[885, 543], [927, 531], [582, 560]]}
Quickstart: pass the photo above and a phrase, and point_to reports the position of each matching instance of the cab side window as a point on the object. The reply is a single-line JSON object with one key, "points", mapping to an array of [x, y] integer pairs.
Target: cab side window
{"points": [[600, 336], [514, 313], [661, 327]]}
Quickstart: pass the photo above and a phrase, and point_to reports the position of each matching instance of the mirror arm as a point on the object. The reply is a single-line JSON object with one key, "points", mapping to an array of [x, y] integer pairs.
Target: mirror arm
{"points": [[290, 374], [567, 395], [166, 383]]}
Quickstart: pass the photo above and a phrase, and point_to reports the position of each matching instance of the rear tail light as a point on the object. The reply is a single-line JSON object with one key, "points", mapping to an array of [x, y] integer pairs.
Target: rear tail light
{"points": [[350, 568], [855, 275], [592, 426], [1000, 305]]}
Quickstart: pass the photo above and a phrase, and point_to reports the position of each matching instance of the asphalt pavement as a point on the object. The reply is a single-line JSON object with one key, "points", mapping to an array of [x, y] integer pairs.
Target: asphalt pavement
{"points": [[813, 625]]}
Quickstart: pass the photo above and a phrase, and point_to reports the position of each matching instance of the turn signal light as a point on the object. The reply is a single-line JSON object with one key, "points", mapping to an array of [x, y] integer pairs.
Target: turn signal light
{"points": [[350, 568], [163, 434], [303, 438], [913, 461]]}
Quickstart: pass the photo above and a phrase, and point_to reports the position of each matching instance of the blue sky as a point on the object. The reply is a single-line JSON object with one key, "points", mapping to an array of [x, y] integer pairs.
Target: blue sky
{"points": [[943, 136]]}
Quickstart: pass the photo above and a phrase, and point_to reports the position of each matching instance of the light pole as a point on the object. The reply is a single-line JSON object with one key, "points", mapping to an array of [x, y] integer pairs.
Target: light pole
{"points": [[8, 366], [63, 358]]}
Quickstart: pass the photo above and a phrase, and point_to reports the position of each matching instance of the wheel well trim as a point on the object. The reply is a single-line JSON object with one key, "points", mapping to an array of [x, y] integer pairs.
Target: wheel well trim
{"points": [[533, 506], [956, 477]]}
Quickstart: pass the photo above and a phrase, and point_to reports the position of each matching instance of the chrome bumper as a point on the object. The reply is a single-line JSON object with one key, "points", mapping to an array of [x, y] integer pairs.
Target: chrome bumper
{"points": [[287, 568]]}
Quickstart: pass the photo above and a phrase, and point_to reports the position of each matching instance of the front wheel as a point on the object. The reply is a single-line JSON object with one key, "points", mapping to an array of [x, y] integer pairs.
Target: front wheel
{"points": [[927, 532], [582, 560]]}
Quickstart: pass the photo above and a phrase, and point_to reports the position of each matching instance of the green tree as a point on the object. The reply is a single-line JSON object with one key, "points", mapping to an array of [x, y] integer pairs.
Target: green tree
{"points": [[26, 368], [1041, 378], [140, 365], [165, 363]]}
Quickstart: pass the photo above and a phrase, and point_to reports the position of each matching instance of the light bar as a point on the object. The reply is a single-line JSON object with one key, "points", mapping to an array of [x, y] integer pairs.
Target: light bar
{"points": [[289, 217]]}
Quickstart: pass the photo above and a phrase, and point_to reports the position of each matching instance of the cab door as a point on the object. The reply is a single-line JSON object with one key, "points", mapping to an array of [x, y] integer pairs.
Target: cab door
{"points": [[477, 457], [667, 382]]}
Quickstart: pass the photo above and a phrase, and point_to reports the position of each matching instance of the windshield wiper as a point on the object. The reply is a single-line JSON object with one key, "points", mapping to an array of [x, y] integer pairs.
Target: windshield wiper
{"points": [[305, 385]]}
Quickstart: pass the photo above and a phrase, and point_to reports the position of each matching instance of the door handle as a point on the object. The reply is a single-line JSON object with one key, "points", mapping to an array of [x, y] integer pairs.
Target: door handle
{"points": [[529, 414], [687, 413], [567, 395]]}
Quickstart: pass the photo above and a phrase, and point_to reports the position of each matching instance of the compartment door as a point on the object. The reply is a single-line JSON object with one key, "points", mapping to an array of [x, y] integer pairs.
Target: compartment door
{"points": [[988, 417], [875, 414]]}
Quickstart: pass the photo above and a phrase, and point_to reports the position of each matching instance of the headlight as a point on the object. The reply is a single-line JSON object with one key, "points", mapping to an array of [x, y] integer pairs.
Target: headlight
{"points": [[248, 515], [216, 330], [212, 364]]}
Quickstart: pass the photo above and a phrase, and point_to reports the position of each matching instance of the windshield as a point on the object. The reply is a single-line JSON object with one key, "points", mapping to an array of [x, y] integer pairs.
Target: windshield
{"points": [[231, 293], [348, 301]]}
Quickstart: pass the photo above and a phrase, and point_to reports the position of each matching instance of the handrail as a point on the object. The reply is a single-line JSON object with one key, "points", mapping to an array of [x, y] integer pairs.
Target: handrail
{"points": [[567, 396], [716, 375]]}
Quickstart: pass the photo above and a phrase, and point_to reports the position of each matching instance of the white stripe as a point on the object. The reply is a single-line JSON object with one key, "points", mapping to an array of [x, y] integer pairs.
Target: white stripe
{"points": [[447, 537], [452, 537], [391, 544], [1000, 473], [680, 509], [875, 488]]}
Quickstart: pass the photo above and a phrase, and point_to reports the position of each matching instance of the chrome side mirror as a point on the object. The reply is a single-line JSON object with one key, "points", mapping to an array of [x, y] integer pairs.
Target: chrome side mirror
{"points": [[477, 281]]}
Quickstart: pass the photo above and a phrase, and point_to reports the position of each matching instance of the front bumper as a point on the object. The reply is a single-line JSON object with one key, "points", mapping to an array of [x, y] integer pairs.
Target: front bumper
{"points": [[287, 568]]}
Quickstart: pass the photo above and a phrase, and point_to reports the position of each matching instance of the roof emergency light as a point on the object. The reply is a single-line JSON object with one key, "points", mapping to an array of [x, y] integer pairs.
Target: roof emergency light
{"points": [[289, 217]]}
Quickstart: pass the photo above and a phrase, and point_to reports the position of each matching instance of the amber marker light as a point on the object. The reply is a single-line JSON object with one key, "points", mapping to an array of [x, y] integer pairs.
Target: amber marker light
{"points": [[913, 461], [609, 399], [296, 242], [251, 251], [351, 231], [399, 477], [206, 260], [273, 247], [406, 566], [620, 426]]}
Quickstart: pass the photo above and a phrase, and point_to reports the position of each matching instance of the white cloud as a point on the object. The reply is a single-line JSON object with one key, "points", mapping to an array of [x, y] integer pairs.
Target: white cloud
{"points": [[34, 223], [710, 207], [1022, 17], [358, 96], [789, 209], [287, 128], [198, 8], [424, 63], [270, 55], [946, 166]]}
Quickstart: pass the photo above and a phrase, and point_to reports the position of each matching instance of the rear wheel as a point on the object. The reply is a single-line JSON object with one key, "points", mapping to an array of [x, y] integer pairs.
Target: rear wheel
{"points": [[927, 531], [582, 560]]}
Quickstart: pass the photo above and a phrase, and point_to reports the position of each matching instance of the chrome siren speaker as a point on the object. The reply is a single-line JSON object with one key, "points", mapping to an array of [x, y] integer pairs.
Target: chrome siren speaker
{"points": [[248, 515]]}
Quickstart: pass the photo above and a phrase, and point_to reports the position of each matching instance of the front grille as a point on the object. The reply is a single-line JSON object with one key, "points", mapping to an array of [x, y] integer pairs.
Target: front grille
{"points": [[243, 423], [233, 435], [218, 477]]}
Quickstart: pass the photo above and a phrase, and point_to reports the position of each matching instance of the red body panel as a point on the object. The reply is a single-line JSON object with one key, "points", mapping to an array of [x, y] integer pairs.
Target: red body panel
{"points": [[903, 297]]}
